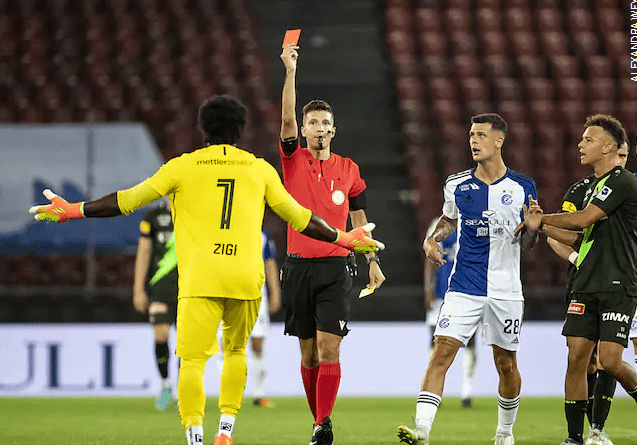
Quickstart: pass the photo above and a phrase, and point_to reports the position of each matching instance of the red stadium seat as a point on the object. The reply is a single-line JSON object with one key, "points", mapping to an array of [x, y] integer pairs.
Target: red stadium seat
{"points": [[442, 88], [463, 43], [601, 106], [572, 111], [513, 112], [540, 89], [458, 19], [428, 20], [506, 88], [532, 66], [617, 46], [554, 43], [610, 19], [585, 43], [601, 89], [579, 19], [523, 43], [400, 43], [436, 66], [489, 18], [474, 88], [405, 65], [493, 43], [548, 19], [571, 89], [542, 112], [398, 19], [627, 89], [598, 67], [432, 44], [409, 88], [466, 66], [518, 19], [565, 67], [496, 66], [446, 111], [478, 106]]}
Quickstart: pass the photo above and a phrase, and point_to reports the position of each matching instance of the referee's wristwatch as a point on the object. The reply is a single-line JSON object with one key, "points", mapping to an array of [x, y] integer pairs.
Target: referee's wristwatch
{"points": [[373, 258]]}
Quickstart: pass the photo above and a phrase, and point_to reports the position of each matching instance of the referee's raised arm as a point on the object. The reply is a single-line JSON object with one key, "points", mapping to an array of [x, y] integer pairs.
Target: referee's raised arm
{"points": [[289, 127]]}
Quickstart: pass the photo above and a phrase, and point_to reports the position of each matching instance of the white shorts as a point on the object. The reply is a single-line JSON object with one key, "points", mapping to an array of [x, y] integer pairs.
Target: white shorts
{"points": [[262, 325], [432, 314], [461, 314], [633, 327]]}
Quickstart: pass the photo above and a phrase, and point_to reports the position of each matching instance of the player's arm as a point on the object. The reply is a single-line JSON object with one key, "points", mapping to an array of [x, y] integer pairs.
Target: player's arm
{"points": [[562, 250], [289, 126], [429, 283], [443, 229], [574, 220], [114, 204], [273, 284], [376, 276], [142, 262]]}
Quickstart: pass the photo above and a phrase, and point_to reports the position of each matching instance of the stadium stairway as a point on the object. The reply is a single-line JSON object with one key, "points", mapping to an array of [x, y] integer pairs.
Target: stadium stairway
{"points": [[342, 60]]}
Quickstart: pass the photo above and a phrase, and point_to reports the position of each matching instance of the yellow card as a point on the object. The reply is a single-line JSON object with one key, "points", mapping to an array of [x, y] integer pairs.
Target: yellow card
{"points": [[366, 291]]}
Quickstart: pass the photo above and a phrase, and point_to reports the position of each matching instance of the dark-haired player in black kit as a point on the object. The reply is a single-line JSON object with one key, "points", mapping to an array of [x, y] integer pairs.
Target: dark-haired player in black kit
{"points": [[601, 383], [604, 288], [155, 289]]}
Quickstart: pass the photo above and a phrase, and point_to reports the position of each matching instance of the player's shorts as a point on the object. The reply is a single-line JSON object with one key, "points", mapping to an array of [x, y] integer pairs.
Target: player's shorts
{"points": [[461, 314], [199, 317], [602, 316], [164, 291], [262, 325], [633, 327], [433, 312], [316, 296]]}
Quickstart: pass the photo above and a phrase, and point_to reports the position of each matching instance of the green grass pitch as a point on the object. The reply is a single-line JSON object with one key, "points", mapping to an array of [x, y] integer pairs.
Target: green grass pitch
{"points": [[357, 421]]}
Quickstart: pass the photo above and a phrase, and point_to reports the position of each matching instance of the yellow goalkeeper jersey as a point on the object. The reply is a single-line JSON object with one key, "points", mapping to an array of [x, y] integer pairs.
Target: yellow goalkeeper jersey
{"points": [[218, 196]]}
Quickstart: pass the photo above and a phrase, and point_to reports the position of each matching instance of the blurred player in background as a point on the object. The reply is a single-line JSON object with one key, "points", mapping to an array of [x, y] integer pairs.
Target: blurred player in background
{"points": [[316, 278], [436, 282], [155, 289], [484, 204], [218, 195], [604, 288], [601, 383]]}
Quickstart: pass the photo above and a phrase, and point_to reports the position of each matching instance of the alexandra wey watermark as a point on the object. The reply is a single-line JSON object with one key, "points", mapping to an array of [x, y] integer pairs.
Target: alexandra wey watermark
{"points": [[633, 40]]}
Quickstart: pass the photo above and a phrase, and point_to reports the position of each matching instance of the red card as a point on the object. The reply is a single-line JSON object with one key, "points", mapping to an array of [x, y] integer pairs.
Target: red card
{"points": [[291, 37]]}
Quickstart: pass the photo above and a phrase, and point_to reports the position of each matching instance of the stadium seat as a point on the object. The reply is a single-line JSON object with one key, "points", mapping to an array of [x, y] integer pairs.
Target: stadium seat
{"points": [[579, 19], [436, 66], [610, 19], [493, 43], [463, 43], [565, 67], [514, 112], [432, 43], [466, 66], [445, 111], [506, 88], [602, 106], [400, 43], [532, 67], [572, 111], [442, 88], [601, 89], [518, 20], [548, 19], [542, 112], [598, 67], [627, 89], [474, 88], [458, 19], [540, 89], [397, 19], [554, 43], [496, 66], [428, 20], [409, 88], [489, 18], [585, 43], [571, 89], [617, 46], [523, 43]]}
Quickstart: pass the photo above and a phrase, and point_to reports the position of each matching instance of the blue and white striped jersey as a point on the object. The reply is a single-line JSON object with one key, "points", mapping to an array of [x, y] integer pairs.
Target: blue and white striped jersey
{"points": [[488, 258]]}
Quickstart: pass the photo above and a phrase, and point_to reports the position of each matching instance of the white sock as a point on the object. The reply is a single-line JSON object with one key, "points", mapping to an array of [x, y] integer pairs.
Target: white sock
{"points": [[507, 412], [257, 371], [226, 425], [194, 434], [469, 370], [426, 408]]}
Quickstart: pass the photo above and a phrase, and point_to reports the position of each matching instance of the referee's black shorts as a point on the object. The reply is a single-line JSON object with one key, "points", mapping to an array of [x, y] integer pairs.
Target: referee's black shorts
{"points": [[315, 294]]}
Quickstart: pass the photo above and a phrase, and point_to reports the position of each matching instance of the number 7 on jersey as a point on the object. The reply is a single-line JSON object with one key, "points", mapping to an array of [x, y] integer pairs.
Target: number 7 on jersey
{"points": [[226, 211]]}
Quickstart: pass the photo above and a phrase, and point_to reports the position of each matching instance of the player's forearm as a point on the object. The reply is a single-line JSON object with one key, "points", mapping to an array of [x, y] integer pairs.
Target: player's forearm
{"points": [[529, 239], [289, 128], [574, 220], [567, 237], [318, 229], [359, 219], [142, 262], [444, 228], [103, 207], [562, 250]]}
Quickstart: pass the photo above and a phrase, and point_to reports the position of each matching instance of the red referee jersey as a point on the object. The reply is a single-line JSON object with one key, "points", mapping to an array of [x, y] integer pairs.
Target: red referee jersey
{"points": [[324, 187]]}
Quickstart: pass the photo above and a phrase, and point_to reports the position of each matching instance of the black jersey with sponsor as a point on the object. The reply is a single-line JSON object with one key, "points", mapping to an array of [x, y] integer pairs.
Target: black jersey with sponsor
{"points": [[158, 226], [607, 256]]}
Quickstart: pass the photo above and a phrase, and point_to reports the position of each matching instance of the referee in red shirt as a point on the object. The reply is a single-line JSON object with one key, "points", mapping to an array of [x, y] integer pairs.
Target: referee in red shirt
{"points": [[317, 279]]}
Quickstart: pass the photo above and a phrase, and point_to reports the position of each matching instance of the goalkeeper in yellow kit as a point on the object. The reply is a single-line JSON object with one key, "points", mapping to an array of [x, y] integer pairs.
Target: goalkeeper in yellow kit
{"points": [[218, 195]]}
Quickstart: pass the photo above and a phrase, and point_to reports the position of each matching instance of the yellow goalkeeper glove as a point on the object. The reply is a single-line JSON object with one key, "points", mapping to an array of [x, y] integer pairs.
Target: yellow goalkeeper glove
{"points": [[59, 210], [357, 240]]}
